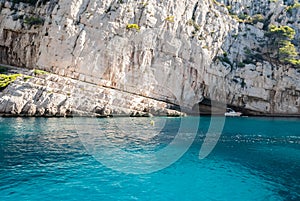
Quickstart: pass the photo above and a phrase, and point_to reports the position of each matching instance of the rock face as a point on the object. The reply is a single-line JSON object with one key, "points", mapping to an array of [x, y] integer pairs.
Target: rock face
{"points": [[174, 52], [52, 95]]}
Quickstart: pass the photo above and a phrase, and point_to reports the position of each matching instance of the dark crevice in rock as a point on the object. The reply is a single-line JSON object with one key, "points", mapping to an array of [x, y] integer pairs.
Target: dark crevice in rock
{"points": [[85, 7], [194, 11], [76, 40]]}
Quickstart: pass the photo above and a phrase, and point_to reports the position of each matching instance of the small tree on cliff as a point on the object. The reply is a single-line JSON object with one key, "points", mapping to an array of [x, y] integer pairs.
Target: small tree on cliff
{"points": [[281, 37], [287, 51]]}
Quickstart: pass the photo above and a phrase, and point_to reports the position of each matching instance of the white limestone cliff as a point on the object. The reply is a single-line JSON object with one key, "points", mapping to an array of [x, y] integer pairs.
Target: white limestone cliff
{"points": [[173, 55]]}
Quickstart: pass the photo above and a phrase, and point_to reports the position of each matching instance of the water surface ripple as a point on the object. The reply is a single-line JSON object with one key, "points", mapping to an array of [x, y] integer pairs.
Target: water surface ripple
{"points": [[255, 159]]}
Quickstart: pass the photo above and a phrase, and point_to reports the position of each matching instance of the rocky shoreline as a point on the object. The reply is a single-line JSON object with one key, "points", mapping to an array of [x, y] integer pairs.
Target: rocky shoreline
{"points": [[49, 95], [44, 94]]}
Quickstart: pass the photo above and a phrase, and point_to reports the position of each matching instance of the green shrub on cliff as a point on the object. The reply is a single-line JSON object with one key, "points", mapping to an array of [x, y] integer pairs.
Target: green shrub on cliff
{"points": [[225, 59], [170, 19], [281, 32], [257, 18], [5, 80], [291, 7], [287, 50], [288, 53], [33, 20], [133, 26], [39, 72], [281, 41], [243, 16], [295, 62]]}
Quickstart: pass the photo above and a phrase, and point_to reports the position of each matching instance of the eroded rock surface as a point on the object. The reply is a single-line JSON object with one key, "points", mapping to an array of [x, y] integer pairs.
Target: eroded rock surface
{"points": [[181, 51], [54, 95]]}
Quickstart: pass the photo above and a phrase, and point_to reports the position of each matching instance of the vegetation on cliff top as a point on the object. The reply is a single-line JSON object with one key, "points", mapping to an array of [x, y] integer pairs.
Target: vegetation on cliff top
{"points": [[280, 38]]}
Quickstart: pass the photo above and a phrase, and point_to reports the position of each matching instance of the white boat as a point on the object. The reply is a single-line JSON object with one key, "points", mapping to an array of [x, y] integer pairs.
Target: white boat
{"points": [[231, 113]]}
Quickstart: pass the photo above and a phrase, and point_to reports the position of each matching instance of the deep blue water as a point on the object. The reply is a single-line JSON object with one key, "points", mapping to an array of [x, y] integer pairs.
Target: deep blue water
{"points": [[49, 159]]}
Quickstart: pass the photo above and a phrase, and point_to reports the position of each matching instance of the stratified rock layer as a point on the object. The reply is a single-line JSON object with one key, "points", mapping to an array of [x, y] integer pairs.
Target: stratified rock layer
{"points": [[52, 95]]}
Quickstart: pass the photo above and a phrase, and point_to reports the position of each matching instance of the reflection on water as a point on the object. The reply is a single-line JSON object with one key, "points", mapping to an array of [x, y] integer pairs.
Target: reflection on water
{"points": [[125, 140]]}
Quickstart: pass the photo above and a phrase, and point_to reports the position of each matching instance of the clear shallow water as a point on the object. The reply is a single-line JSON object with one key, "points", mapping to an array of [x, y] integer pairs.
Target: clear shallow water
{"points": [[255, 159]]}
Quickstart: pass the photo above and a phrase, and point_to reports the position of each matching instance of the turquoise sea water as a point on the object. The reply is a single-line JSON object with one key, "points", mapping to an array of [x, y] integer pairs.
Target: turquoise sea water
{"points": [[47, 159]]}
